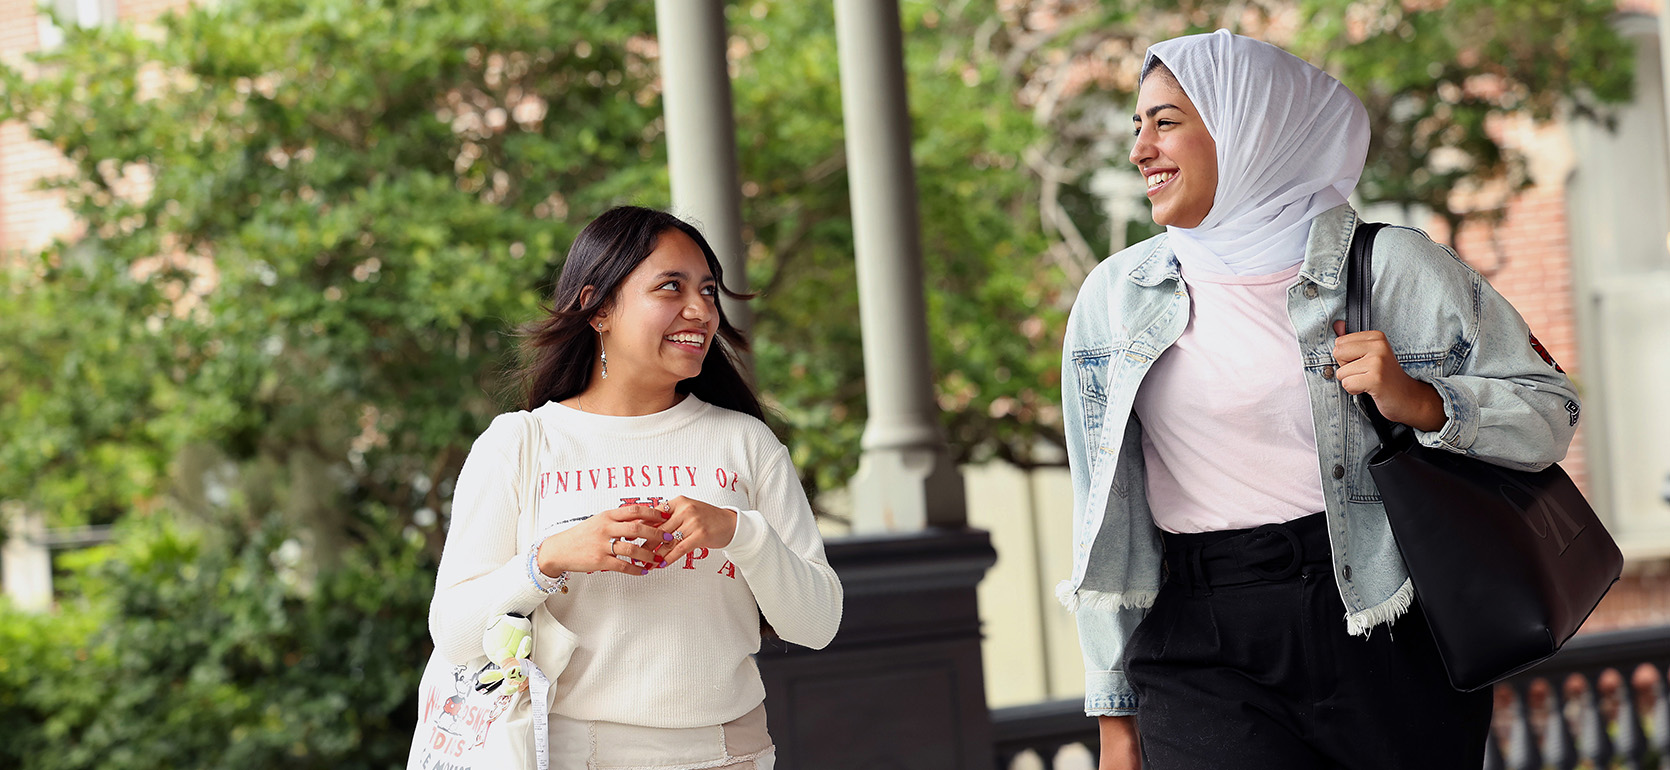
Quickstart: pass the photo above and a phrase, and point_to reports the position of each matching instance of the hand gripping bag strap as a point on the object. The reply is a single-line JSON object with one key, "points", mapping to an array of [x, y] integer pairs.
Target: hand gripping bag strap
{"points": [[1359, 309], [1506, 564]]}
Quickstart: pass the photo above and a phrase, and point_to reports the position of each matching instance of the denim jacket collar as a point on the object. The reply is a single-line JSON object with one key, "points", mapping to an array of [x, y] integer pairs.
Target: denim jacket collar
{"points": [[1159, 265], [1328, 248], [1324, 263]]}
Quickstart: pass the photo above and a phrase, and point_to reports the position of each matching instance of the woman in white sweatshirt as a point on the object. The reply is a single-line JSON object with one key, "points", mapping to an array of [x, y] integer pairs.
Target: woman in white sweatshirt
{"points": [[669, 517]]}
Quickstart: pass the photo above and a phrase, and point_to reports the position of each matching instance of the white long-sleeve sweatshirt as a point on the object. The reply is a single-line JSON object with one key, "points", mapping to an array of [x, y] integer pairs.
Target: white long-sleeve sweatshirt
{"points": [[667, 649]]}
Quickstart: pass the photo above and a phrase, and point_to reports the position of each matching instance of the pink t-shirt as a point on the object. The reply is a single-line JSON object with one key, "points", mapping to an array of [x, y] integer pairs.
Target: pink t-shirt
{"points": [[1227, 435]]}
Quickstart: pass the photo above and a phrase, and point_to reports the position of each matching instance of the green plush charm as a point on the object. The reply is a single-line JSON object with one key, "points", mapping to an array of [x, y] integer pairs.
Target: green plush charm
{"points": [[507, 642]]}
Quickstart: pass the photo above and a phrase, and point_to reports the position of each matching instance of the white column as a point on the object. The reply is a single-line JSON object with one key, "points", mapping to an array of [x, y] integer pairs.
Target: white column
{"points": [[25, 560], [905, 479], [1664, 47], [701, 133]]}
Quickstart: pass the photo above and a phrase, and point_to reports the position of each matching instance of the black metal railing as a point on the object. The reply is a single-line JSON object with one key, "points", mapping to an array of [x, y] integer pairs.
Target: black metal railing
{"points": [[1603, 702], [1041, 729]]}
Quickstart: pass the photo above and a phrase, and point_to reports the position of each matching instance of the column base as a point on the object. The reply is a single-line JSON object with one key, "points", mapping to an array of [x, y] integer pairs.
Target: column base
{"points": [[906, 490], [902, 684]]}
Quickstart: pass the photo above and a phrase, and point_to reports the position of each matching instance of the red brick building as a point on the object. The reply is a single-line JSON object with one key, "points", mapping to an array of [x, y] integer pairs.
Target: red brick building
{"points": [[30, 218]]}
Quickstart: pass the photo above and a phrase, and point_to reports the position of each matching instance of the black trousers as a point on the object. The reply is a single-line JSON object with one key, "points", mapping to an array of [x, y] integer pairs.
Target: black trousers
{"points": [[1244, 663]]}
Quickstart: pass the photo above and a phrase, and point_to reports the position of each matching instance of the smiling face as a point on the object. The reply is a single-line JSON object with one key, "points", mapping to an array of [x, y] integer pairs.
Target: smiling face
{"points": [[1174, 152], [661, 321]]}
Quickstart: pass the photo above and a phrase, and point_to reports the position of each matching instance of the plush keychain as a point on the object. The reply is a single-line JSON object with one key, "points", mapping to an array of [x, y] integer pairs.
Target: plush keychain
{"points": [[507, 642]]}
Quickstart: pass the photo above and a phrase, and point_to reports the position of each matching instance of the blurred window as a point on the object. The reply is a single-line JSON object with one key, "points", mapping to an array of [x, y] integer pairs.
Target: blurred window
{"points": [[82, 13]]}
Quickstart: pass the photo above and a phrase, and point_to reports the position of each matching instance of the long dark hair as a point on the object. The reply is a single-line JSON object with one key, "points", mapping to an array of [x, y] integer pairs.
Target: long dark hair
{"points": [[558, 350]]}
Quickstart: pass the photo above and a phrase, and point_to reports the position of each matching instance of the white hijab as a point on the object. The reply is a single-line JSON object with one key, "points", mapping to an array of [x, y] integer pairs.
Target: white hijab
{"points": [[1291, 142]]}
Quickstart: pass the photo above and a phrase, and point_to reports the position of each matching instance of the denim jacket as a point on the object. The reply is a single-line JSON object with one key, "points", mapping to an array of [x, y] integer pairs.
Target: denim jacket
{"points": [[1503, 402]]}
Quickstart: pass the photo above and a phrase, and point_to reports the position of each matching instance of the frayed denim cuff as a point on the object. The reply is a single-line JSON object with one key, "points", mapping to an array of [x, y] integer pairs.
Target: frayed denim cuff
{"points": [[1108, 694]]}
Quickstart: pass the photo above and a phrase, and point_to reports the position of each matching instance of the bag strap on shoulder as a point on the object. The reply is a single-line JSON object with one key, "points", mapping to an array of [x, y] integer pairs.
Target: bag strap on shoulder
{"points": [[527, 499], [1359, 316], [1359, 278]]}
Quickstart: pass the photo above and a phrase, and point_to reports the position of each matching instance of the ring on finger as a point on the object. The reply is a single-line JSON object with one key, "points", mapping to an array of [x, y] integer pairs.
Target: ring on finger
{"points": [[677, 536], [612, 542]]}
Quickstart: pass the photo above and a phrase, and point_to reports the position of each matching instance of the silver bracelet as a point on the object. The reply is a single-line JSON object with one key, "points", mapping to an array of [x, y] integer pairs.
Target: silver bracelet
{"points": [[541, 581]]}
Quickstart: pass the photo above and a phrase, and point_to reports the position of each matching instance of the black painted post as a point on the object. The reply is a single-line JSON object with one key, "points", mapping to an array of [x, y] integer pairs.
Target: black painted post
{"points": [[901, 686]]}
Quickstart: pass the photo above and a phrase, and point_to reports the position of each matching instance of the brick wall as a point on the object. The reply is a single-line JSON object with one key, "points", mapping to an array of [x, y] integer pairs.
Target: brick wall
{"points": [[30, 218], [145, 10], [1641, 598], [1527, 257], [17, 26], [21, 161]]}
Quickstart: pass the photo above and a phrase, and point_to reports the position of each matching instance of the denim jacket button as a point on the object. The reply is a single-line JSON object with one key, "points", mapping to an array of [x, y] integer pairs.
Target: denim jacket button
{"points": [[1310, 291], [1339, 471], [1327, 372]]}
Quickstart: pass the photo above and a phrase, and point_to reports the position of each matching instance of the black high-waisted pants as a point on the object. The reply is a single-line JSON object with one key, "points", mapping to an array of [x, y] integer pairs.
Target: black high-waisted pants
{"points": [[1244, 663]]}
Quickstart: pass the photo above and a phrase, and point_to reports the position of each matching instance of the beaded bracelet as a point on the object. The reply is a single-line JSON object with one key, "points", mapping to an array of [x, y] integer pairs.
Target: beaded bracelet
{"points": [[549, 585]]}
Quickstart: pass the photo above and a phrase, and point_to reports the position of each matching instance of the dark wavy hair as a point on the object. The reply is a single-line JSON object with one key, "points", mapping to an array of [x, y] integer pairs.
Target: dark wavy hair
{"points": [[558, 350]]}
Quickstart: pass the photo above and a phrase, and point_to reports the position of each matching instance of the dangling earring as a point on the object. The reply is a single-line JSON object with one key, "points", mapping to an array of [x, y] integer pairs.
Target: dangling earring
{"points": [[602, 355]]}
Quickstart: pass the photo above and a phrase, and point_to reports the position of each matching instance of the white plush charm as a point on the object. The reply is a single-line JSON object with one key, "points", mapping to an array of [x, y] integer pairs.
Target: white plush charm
{"points": [[507, 642]]}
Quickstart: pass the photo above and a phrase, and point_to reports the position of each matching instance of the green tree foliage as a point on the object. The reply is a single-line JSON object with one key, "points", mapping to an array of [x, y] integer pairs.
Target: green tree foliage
{"points": [[226, 654], [995, 311], [1435, 81], [1437, 77], [309, 227]]}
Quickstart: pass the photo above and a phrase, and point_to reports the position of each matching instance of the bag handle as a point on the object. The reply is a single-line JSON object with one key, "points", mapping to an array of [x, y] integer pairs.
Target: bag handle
{"points": [[527, 525], [1359, 316]]}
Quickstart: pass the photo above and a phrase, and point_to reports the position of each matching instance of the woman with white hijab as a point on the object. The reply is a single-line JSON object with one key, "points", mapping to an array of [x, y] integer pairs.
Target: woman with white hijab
{"points": [[1241, 602]]}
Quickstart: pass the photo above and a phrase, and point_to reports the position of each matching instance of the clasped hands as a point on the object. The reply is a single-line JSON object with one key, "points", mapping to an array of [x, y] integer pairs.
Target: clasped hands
{"points": [[644, 535]]}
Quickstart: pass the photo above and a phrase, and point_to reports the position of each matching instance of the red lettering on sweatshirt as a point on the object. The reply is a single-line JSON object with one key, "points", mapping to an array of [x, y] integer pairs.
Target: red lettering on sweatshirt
{"points": [[691, 558], [635, 476], [728, 570]]}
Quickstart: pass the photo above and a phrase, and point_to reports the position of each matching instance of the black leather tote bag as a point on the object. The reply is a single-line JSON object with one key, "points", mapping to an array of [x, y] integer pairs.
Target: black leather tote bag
{"points": [[1506, 564]]}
